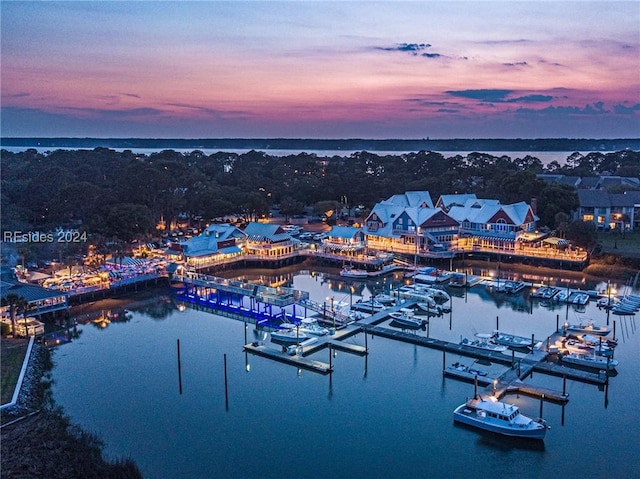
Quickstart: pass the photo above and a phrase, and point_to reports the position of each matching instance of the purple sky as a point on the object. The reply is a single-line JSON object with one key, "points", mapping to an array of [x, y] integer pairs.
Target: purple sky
{"points": [[327, 69]]}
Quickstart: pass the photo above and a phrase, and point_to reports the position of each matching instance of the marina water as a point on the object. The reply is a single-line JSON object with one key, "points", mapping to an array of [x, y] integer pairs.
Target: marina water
{"points": [[388, 414]]}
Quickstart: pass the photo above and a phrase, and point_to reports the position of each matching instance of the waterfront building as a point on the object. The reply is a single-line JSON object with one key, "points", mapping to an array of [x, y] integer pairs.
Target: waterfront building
{"points": [[490, 225], [410, 224], [39, 302], [347, 240], [216, 243], [268, 241]]}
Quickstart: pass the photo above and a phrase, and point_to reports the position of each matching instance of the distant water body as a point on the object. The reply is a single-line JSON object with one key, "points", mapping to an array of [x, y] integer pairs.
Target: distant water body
{"points": [[545, 157]]}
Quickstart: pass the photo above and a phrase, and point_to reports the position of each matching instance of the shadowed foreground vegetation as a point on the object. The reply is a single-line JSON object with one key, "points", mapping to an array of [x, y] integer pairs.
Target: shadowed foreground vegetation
{"points": [[46, 444]]}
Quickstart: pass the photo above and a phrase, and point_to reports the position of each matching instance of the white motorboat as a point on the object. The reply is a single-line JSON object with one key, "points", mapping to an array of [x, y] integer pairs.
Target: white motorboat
{"points": [[350, 272], [368, 306], [426, 308], [482, 342], [590, 361], [499, 417], [416, 292], [460, 371], [406, 318], [312, 327], [288, 334], [580, 298], [579, 347], [510, 340], [439, 295], [384, 298], [588, 327]]}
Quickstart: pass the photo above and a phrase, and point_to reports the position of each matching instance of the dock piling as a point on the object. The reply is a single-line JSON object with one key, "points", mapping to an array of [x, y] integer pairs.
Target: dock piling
{"points": [[179, 369], [226, 385]]}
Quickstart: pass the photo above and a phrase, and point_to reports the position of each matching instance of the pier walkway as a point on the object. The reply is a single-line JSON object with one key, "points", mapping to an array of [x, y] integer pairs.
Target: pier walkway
{"points": [[227, 296]]}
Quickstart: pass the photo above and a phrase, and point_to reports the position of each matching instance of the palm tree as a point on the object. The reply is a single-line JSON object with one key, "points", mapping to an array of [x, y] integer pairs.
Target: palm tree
{"points": [[17, 304], [25, 308]]}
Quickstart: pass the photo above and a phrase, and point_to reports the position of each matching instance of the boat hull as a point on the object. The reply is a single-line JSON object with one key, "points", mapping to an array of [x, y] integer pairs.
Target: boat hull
{"points": [[464, 415]]}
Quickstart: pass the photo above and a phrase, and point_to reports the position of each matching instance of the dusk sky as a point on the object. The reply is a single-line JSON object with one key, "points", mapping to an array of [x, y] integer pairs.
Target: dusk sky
{"points": [[328, 69]]}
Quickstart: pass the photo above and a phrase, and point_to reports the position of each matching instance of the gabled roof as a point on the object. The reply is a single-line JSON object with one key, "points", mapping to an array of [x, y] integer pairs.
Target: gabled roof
{"points": [[411, 198], [344, 232], [447, 201], [485, 211], [386, 212], [266, 231], [206, 243]]}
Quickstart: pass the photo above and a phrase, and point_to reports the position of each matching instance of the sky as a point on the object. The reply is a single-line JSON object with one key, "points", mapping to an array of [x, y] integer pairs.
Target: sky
{"points": [[320, 69]]}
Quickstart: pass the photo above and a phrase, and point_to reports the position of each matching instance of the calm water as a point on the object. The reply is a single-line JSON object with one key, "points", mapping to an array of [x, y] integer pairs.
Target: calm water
{"points": [[389, 414]]}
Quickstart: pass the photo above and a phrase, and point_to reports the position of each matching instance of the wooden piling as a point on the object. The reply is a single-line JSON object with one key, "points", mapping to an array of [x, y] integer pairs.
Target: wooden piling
{"points": [[226, 384], [179, 369], [614, 329]]}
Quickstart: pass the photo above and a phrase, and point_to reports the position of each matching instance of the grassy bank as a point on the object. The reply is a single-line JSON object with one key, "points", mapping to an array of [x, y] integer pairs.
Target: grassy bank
{"points": [[12, 353]]}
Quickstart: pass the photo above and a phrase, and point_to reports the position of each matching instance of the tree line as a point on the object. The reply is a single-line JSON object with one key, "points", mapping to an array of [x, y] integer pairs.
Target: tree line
{"points": [[120, 196]]}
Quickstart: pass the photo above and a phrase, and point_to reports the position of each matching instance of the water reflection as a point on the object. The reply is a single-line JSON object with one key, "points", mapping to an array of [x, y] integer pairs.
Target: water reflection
{"points": [[404, 400], [490, 440]]}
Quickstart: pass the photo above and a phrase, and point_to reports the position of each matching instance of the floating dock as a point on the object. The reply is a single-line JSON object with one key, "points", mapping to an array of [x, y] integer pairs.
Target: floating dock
{"points": [[295, 360]]}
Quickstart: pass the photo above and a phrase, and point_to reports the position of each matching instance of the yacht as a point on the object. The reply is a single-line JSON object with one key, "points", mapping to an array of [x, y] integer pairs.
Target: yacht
{"points": [[499, 417]]}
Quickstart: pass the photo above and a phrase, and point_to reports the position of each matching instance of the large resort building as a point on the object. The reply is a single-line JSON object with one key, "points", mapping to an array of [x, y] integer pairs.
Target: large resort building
{"points": [[404, 226]]}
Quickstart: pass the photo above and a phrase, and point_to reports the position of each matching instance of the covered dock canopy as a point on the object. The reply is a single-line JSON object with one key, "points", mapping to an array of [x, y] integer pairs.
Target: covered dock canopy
{"points": [[554, 241]]}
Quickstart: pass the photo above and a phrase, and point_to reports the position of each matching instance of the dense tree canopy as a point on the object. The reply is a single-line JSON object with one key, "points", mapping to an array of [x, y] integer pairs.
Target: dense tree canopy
{"points": [[123, 195]]}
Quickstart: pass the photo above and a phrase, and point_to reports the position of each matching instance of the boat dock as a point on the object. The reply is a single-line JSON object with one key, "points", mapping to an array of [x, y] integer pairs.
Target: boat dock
{"points": [[299, 361], [229, 298], [296, 355]]}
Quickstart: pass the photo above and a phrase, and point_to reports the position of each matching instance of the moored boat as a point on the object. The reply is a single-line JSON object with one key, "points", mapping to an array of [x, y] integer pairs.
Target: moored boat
{"points": [[589, 361], [350, 272], [588, 327], [312, 327], [460, 371], [482, 342], [288, 334], [384, 298], [499, 417], [368, 306], [405, 318], [426, 308], [511, 340]]}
